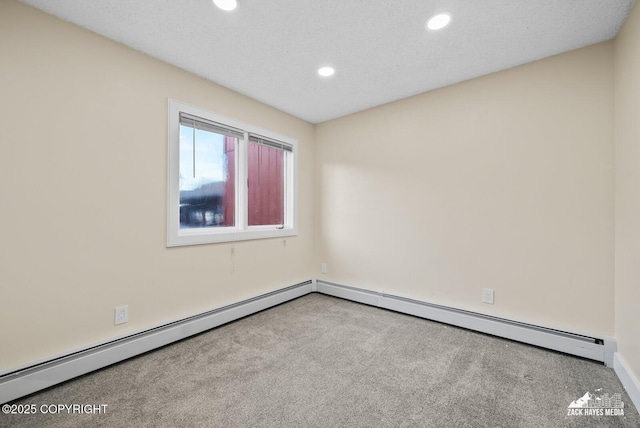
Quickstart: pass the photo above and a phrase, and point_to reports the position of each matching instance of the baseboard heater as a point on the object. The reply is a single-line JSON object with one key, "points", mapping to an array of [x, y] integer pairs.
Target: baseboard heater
{"points": [[594, 348], [27, 380], [31, 379]]}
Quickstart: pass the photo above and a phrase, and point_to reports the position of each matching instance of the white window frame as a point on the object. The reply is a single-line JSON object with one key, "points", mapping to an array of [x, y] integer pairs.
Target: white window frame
{"points": [[241, 231]]}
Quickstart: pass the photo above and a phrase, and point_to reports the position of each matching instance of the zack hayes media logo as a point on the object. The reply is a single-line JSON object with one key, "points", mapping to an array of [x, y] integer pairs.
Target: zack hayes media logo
{"points": [[597, 405]]}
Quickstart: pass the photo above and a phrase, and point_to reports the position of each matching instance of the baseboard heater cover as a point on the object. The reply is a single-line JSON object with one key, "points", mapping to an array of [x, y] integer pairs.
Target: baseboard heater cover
{"points": [[35, 378], [594, 348], [28, 380]]}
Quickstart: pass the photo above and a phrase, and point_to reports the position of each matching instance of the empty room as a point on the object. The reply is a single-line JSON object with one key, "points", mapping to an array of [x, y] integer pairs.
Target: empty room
{"points": [[236, 213]]}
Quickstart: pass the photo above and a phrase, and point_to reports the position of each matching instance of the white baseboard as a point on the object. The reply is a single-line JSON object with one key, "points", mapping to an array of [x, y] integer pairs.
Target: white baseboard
{"points": [[628, 379], [594, 348], [27, 381]]}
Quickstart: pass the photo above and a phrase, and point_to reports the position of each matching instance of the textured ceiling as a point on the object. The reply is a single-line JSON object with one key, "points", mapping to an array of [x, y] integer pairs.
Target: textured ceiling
{"points": [[270, 49]]}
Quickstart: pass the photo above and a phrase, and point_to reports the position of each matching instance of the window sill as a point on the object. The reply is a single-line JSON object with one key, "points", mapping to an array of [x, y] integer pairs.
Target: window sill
{"points": [[200, 236]]}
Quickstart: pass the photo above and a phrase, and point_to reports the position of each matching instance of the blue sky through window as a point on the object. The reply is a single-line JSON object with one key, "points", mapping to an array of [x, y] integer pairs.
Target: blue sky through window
{"points": [[209, 160]]}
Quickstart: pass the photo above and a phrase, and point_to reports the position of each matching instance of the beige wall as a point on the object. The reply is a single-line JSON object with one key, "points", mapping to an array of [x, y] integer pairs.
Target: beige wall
{"points": [[83, 172], [627, 149], [502, 182]]}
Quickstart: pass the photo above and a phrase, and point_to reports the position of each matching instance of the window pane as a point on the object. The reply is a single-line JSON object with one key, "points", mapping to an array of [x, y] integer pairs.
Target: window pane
{"points": [[207, 178], [266, 167]]}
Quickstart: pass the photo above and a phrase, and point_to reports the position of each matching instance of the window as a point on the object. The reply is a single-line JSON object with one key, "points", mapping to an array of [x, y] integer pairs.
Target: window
{"points": [[207, 173], [228, 180]]}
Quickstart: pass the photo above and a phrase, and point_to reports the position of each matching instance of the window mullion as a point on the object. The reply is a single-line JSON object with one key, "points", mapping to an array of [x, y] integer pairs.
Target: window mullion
{"points": [[242, 188]]}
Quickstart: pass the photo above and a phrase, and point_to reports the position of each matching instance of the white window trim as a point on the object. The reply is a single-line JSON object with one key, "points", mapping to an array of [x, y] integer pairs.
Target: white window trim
{"points": [[241, 232]]}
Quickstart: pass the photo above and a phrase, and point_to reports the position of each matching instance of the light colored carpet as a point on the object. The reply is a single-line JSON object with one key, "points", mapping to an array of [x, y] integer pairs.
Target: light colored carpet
{"points": [[319, 361]]}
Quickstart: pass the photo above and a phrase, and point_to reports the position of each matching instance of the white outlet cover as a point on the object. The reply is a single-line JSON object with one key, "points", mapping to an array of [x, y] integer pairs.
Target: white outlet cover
{"points": [[487, 295], [323, 268], [121, 315]]}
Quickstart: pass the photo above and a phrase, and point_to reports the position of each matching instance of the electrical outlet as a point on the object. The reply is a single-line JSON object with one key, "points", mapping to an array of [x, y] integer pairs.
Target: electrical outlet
{"points": [[323, 268], [487, 295], [122, 315]]}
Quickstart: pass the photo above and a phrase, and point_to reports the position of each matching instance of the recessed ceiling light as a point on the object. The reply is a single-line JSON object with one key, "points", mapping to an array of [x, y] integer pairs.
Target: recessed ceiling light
{"points": [[439, 21], [226, 4], [326, 71]]}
